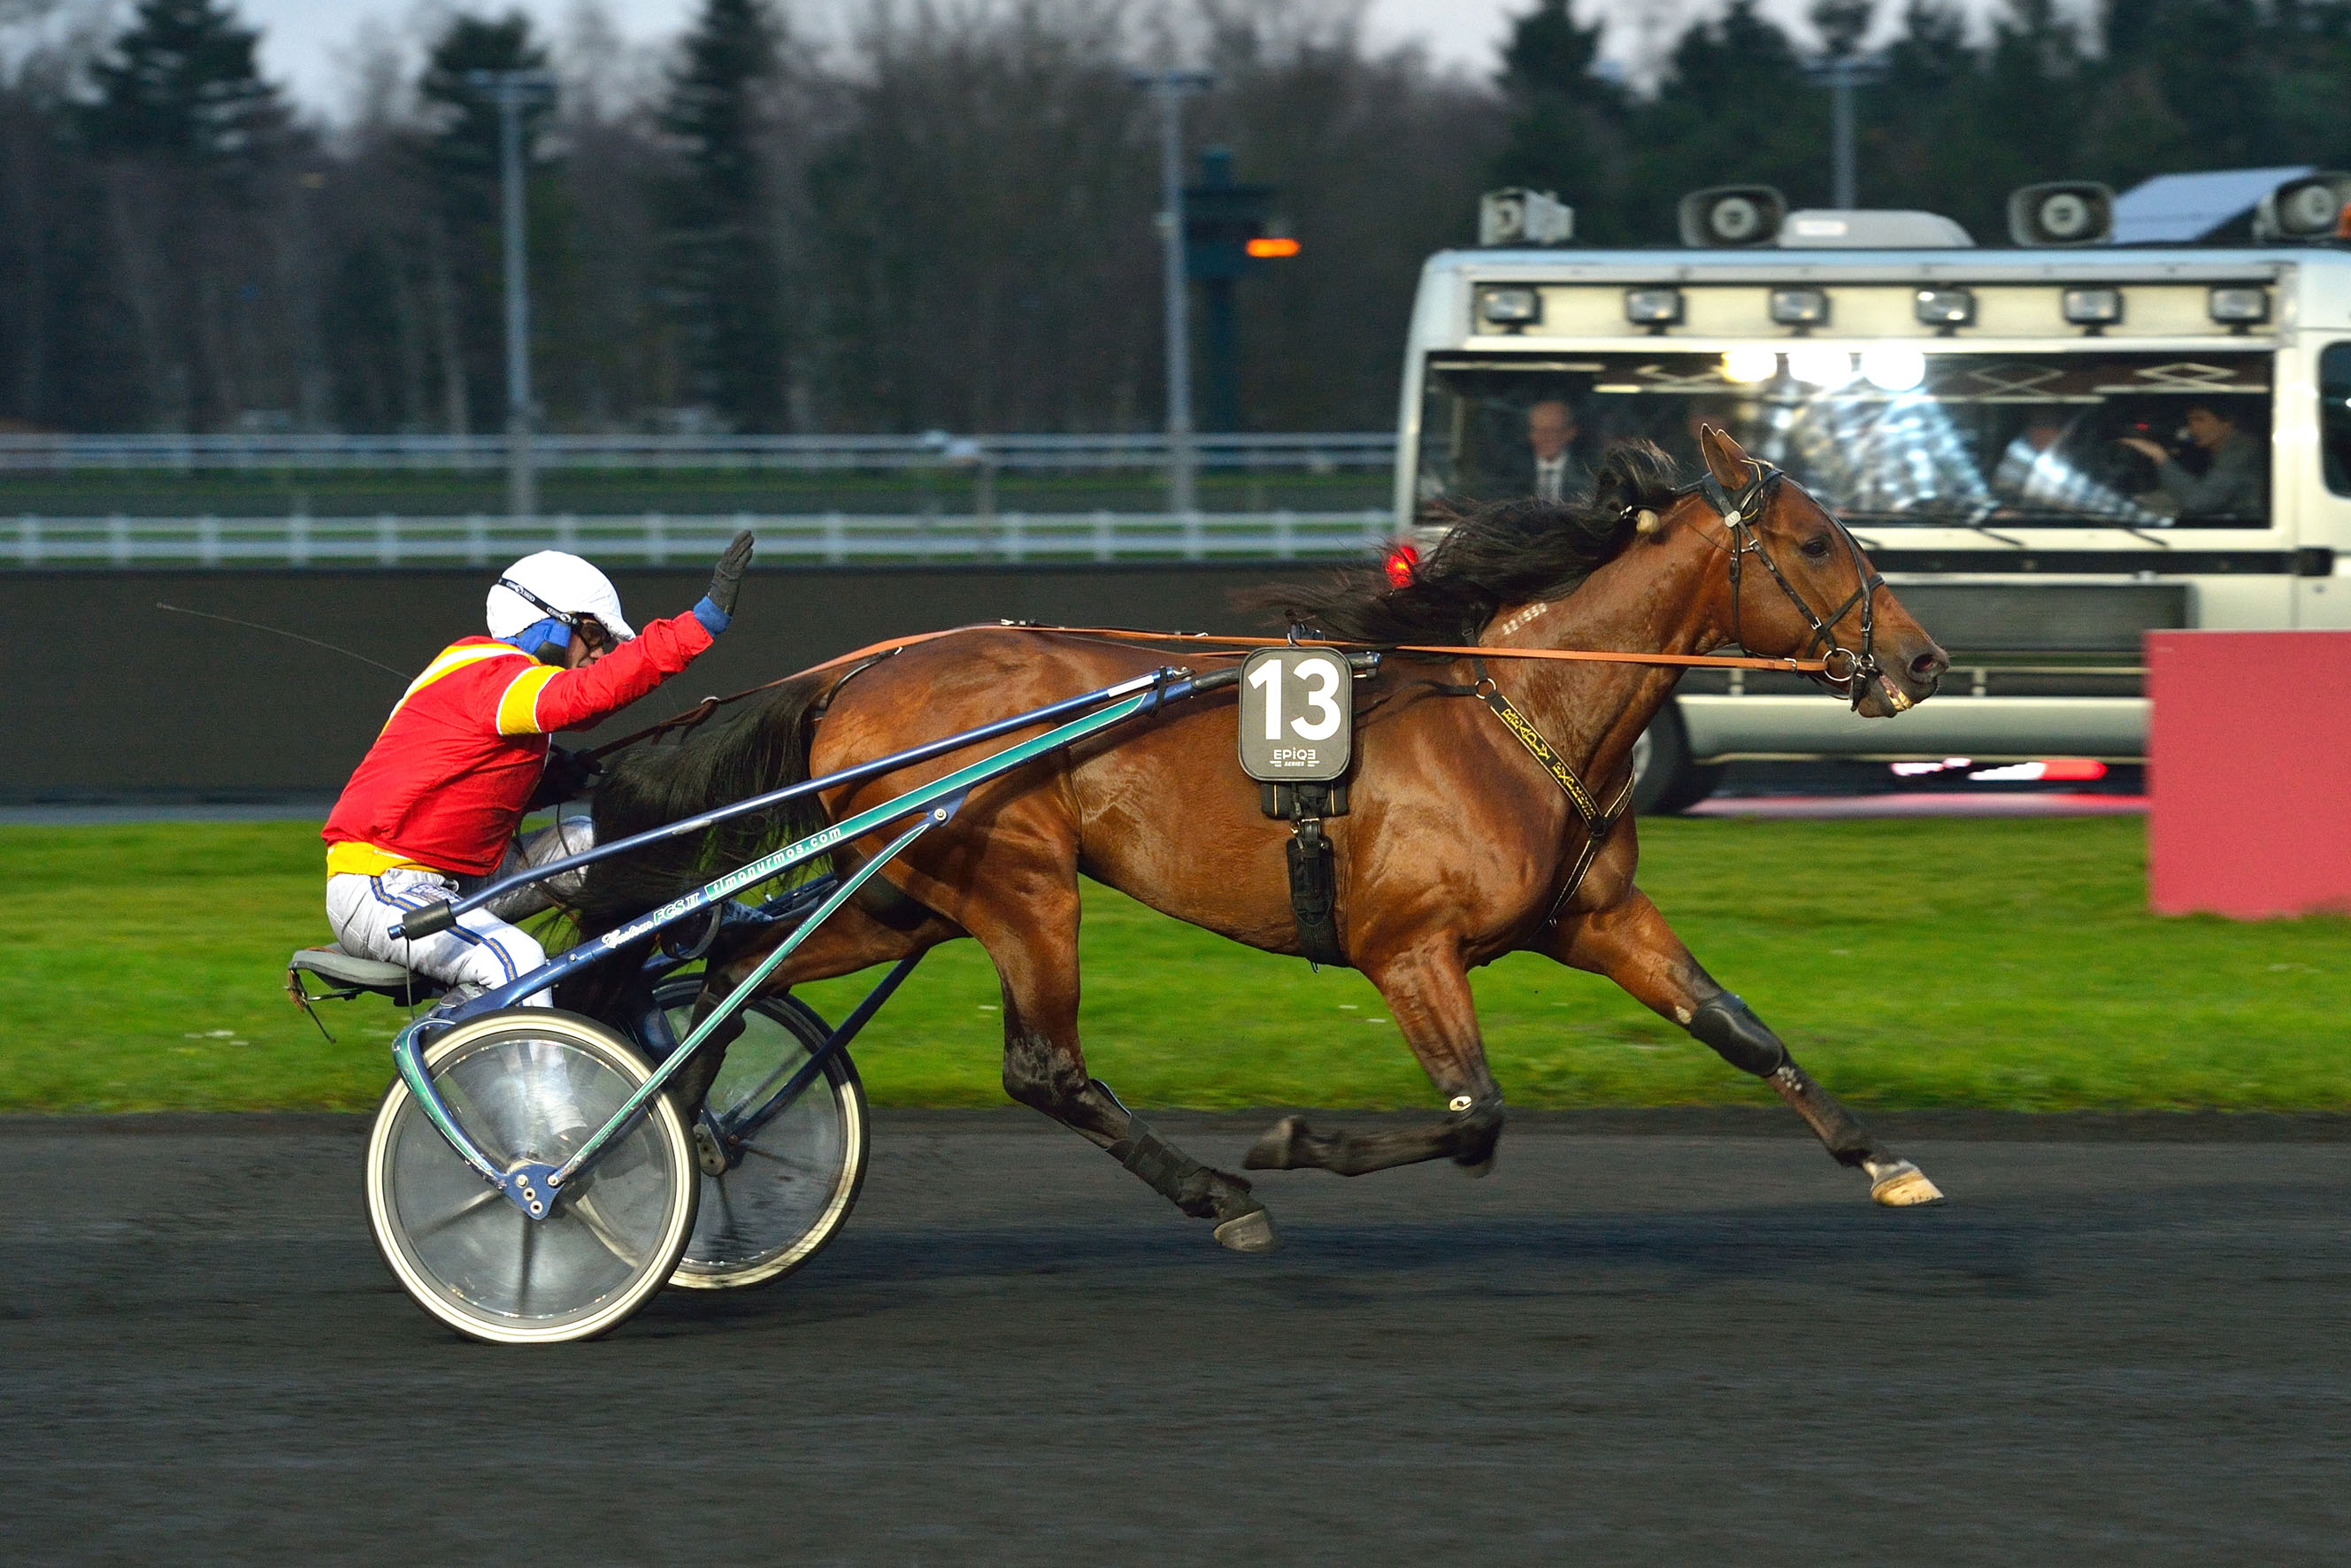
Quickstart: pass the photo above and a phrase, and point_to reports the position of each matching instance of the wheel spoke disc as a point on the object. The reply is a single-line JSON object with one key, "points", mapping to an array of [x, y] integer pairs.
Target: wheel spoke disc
{"points": [[530, 1100], [794, 1177]]}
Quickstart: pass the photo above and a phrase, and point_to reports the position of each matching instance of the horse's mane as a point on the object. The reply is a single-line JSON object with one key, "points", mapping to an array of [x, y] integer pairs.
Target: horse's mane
{"points": [[1496, 553], [762, 748]]}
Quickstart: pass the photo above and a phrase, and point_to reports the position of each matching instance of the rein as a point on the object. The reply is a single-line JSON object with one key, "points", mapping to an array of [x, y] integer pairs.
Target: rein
{"points": [[1216, 647]]}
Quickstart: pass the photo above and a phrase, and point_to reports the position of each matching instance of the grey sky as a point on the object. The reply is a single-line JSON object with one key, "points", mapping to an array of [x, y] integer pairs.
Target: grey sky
{"points": [[309, 42]]}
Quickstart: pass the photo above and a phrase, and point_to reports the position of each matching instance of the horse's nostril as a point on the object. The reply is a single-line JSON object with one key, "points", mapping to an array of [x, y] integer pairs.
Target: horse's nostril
{"points": [[1929, 665]]}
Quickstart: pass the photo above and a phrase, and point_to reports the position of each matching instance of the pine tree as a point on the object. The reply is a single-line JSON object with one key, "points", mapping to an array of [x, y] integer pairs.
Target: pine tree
{"points": [[723, 261], [181, 82], [1566, 125], [463, 149]]}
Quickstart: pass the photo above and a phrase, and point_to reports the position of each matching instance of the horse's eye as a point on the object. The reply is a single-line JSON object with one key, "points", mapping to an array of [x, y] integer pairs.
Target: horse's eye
{"points": [[1816, 548]]}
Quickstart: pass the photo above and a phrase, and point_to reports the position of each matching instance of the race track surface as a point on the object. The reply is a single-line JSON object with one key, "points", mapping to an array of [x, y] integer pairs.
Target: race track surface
{"points": [[1677, 1349]]}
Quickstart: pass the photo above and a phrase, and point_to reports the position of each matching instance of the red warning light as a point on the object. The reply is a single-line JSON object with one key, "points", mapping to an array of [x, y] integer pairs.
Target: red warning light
{"points": [[1402, 559], [1272, 248]]}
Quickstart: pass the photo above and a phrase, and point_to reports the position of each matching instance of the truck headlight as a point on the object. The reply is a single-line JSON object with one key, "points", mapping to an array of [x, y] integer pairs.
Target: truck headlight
{"points": [[2238, 304], [1509, 306], [1946, 307], [1800, 308], [1658, 308], [2093, 307]]}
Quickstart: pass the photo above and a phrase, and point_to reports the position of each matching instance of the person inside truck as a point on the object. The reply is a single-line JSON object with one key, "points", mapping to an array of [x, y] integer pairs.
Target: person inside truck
{"points": [[2234, 473], [2037, 475], [1552, 431]]}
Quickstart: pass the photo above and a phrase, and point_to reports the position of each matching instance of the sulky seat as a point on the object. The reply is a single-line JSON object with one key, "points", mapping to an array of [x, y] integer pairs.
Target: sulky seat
{"points": [[347, 975]]}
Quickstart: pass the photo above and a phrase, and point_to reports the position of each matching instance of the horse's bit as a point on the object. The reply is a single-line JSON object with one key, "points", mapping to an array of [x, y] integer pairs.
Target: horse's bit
{"points": [[1738, 512]]}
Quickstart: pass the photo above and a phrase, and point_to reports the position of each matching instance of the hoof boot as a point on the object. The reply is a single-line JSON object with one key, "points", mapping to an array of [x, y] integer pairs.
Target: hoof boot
{"points": [[1903, 1186], [1250, 1232]]}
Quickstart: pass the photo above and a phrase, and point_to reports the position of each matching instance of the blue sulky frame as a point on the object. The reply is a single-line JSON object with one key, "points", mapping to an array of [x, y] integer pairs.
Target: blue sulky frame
{"points": [[534, 1187]]}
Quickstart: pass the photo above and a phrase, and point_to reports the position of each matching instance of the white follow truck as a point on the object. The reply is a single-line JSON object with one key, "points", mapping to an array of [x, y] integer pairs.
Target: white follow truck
{"points": [[2048, 450]]}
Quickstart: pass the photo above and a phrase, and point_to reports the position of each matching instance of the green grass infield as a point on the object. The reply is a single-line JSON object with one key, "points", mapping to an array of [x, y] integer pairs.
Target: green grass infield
{"points": [[2001, 964]]}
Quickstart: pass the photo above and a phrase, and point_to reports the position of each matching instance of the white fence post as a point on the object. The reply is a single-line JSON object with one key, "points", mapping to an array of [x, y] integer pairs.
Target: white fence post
{"points": [[117, 539], [28, 540]]}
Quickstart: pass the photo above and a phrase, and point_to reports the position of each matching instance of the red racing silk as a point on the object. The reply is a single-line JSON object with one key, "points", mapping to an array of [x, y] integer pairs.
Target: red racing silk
{"points": [[446, 783]]}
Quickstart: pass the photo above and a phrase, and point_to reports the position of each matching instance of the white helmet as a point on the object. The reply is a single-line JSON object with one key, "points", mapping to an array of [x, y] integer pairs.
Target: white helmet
{"points": [[553, 584]]}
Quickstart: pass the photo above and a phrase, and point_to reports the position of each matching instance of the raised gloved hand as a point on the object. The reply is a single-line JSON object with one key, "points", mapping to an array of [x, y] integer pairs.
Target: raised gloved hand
{"points": [[729, 577]]}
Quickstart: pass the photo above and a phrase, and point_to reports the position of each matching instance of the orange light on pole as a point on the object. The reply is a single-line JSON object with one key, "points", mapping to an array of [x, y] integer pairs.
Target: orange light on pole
{"points": [[1270, 248]]}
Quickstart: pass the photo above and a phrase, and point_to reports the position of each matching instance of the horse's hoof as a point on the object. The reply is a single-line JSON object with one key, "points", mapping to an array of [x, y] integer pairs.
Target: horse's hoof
{"points": [[1904, 1185], [1476, 1169], [1250, 1232], [1276, 1150]]}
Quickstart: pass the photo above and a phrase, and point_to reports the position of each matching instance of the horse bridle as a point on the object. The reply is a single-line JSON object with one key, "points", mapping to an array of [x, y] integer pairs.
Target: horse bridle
{"points": [[1739, 510]]}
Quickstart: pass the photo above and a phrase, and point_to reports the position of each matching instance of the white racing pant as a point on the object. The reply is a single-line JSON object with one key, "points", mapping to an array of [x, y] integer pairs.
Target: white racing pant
{"points": [[482, 949]]}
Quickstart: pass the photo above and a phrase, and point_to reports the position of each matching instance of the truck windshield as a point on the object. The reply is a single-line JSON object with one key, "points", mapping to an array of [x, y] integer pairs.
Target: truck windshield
{"points": [[1888, 435]]}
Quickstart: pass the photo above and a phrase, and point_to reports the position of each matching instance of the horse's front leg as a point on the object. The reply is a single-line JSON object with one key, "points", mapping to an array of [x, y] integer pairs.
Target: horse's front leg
{"points": [[1631, 944], [1427, 994]]}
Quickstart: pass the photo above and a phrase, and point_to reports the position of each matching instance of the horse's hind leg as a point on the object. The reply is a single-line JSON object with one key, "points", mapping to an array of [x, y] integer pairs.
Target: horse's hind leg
{"points": [[1427, 994], [1036, 965], [1631, 944]]}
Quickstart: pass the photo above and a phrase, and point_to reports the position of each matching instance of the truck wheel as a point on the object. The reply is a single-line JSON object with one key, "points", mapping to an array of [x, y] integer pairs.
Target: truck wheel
{"points": [[1664, 780]]}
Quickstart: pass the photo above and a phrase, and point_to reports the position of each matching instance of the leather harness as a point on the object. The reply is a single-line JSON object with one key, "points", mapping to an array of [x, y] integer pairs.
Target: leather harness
{"points": [[1313, 881]]}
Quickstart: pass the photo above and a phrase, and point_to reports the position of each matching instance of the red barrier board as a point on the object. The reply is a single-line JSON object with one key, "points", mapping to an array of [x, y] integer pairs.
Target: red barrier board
{"points": [[2248, 772]]}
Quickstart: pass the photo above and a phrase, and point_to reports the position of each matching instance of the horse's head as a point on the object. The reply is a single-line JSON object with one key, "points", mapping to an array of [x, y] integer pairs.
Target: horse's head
{"points": [[1797, 584]]}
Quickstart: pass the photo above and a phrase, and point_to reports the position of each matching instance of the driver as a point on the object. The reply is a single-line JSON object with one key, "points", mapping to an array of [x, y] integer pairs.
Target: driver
{"points": [[432, 809]]}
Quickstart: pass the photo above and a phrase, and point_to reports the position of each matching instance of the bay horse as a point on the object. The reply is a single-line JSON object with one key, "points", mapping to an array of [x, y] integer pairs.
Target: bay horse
{"points": [[1457, 850]]}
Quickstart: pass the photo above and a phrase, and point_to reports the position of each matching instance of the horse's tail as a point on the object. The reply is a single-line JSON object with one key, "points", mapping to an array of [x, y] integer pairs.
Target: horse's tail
{"points": [[763, 748]]}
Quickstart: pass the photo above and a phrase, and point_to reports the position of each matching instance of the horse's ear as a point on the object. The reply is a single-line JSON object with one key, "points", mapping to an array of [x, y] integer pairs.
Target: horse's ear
{"points": [[1725, 458]]}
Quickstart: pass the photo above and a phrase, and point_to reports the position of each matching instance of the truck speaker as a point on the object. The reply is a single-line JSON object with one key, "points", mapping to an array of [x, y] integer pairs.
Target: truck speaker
{"points": [[1731, 217], [2305, 209], [2061, 213]]}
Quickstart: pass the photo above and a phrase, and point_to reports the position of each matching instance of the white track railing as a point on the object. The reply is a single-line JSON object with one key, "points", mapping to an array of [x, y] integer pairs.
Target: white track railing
{"points": [[657, 539], [1320, 453]]}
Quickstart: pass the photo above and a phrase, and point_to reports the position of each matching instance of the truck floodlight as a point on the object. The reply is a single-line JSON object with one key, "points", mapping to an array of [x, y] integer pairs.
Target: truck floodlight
{"points": [[2093, 308], [2239, 305], [1520, 217], [1893, 367], [2304, 209], [1747, 364], [1947, 309], [1799, 307], [1730, 216], [1512, 310], [1656, 309], [1817, 365], [2062, 213]]}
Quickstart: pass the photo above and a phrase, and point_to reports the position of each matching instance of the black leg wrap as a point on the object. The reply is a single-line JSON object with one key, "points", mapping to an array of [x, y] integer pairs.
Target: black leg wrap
{"points": [[1737, 1036], [1176, 1176]]}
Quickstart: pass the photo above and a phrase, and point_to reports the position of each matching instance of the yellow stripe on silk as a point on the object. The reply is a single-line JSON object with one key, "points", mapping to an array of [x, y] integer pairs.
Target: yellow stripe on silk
{"points": [[448, 662], [518, 709]]}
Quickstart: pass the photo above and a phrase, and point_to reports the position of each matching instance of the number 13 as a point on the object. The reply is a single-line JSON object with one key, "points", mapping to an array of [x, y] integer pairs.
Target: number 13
{"points": [[1325, 682]]}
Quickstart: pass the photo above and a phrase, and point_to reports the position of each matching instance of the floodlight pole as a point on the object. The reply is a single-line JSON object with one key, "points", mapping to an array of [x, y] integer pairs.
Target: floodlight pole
{"points": [[512, 91], [1840, 74], [1183, 458]]}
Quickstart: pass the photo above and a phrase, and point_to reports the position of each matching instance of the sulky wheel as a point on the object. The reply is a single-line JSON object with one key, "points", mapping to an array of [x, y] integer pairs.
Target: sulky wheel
{"points": [[530, 1084], [790, 1185]]}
